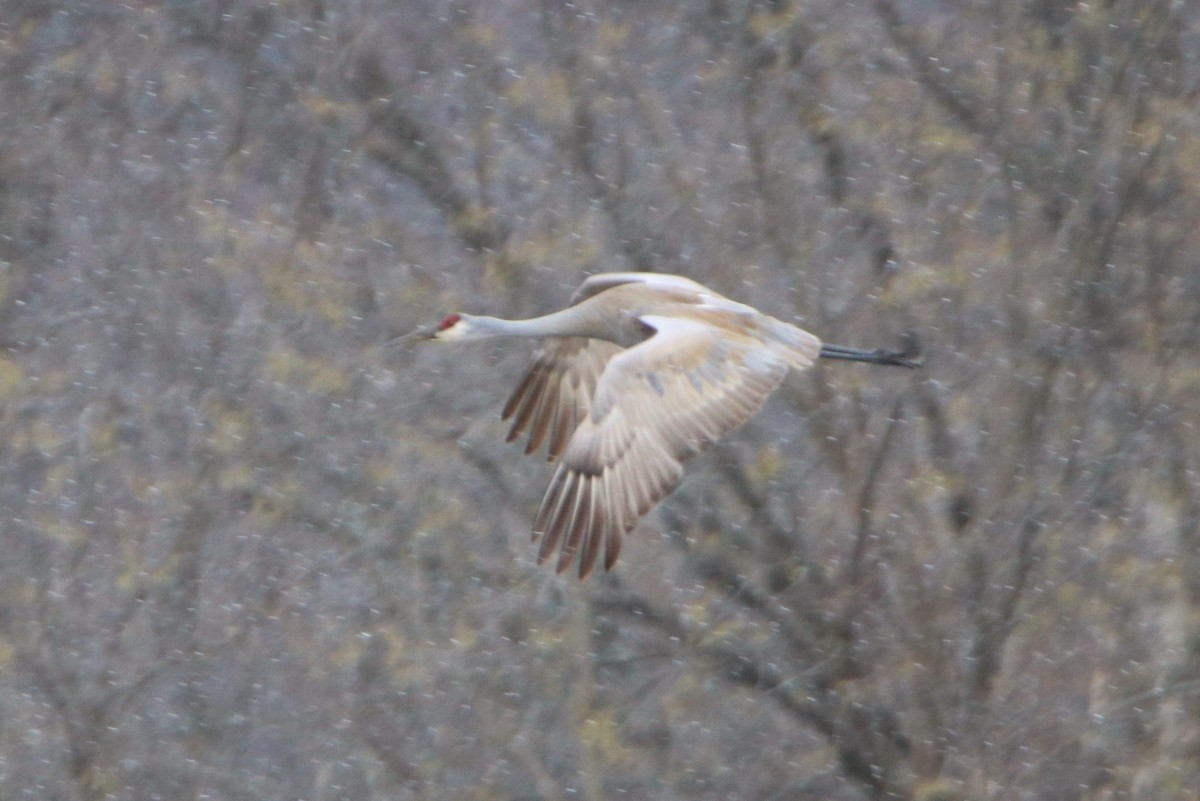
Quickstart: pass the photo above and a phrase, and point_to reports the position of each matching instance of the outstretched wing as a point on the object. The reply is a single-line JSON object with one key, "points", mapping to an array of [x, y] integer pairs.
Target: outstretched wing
{"points": [[595, 284], [556, 391], [655, 405]]}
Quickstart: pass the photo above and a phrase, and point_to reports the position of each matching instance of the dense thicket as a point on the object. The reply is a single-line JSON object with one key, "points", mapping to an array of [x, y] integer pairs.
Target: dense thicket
{"points": [[250, 552]]}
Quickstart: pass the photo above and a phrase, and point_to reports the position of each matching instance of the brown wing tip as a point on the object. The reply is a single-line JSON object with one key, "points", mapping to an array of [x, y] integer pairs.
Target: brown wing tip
{"points": [[587, 563], [574, 522]]}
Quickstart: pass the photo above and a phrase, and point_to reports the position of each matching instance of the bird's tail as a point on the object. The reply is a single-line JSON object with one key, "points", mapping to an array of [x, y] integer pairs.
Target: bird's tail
{"points": [[801, 348]]}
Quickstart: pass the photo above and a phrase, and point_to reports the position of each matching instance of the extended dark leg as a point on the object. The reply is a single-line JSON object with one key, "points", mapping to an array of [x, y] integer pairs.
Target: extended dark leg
{"points": [[877, 356]]}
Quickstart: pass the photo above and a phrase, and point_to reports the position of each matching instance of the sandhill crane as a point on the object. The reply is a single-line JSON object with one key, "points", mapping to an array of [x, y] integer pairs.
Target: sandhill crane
{"points": [[639, 373]]}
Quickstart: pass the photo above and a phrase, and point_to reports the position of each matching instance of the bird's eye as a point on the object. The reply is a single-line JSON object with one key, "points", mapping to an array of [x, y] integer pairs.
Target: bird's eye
{"points": [[447, 321]]}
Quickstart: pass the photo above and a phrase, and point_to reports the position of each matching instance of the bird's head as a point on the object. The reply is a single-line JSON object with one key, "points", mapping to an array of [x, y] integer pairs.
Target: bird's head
{"points": [[452, 328]]}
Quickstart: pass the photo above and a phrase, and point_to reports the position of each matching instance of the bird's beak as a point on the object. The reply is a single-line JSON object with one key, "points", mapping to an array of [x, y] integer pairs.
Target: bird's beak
{"points": [[420, 335]]}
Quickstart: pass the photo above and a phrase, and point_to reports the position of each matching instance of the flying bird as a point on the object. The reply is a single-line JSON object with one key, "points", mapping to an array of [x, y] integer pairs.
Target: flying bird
{"points": [[638, 374]]}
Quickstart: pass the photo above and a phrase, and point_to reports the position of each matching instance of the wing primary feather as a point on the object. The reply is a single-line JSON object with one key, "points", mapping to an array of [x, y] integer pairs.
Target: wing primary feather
{"points": [[593, 536], [550, 503], [565, 423], [612, 549], [571, 527], [543, 417], [612, 507], [610, 516], [558, 523], [524, 401], [518, 395]]}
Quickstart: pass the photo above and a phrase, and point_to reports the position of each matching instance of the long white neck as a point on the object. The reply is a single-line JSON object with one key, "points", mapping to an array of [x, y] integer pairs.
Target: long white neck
{"points": [[565, 323]]}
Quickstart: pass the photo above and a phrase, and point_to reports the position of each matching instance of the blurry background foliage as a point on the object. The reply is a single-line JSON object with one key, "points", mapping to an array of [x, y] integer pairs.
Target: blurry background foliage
{"points": [[249, 552]]}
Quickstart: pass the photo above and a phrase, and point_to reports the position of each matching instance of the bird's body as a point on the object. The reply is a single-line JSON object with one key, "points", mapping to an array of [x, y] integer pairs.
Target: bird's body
{"points": [[641, 372]]}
